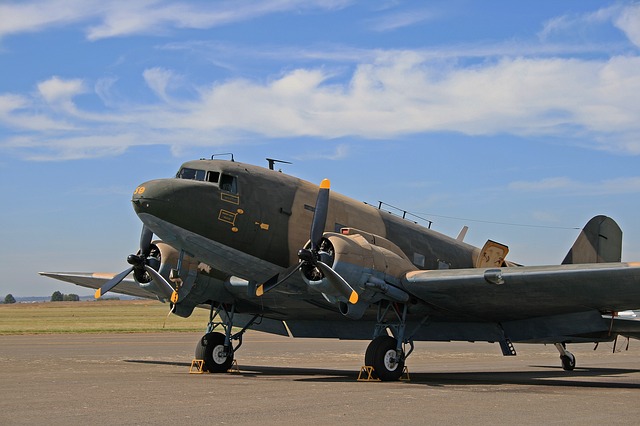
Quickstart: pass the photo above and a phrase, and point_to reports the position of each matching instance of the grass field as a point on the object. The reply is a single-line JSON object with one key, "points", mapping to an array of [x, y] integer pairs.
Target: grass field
{"points": [[126, 316]]}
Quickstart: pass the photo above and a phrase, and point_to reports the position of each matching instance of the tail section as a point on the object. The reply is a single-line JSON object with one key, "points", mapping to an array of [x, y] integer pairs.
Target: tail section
{"points": [[600, 241]]}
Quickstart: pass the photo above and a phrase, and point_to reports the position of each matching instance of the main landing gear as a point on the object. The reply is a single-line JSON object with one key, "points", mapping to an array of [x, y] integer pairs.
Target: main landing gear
{"points": [[567, 358], [216, 348], [385, 353]]}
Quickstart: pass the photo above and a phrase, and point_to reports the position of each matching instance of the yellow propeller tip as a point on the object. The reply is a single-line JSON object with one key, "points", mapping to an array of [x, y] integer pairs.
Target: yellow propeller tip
{"points": [[260, 290], [353, 299], [325, 184], [97, 294], [174, 297]]}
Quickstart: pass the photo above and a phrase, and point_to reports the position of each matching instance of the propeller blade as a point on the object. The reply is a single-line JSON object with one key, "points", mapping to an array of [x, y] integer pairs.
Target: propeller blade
{"points": [[274, 281], [145, 241], [338, 282], [320, 214], [112, 283], [166, 287]]}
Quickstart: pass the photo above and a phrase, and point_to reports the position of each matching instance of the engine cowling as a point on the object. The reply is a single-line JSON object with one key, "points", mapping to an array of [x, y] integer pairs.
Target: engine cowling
{"points": [[368, 262], [193, 284]]}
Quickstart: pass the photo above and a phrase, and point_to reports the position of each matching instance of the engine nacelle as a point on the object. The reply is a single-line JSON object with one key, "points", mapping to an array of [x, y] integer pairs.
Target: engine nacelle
{"points": [[359, 256], [196, 283], [367, 262]]}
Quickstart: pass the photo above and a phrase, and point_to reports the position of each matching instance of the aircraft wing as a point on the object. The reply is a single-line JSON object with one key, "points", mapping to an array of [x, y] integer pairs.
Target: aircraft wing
{"points": [[95, 280], [514, 293]]}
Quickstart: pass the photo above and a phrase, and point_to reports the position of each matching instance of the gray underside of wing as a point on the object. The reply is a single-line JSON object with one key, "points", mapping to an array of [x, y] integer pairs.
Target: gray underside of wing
{"points": [[516, 293], [95, 280]]}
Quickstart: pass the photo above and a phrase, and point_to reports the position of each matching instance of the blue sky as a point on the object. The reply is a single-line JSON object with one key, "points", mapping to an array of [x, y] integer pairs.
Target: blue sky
{"points": [[520, 120]]}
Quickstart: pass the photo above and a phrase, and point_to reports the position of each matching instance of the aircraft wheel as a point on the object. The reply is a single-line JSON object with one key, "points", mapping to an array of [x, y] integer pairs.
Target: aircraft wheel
{"points": [[381, 355], [211, 349], [568, 362]]}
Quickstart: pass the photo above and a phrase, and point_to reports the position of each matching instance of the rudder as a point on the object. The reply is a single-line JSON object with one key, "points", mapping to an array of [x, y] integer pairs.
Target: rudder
{"points": [[599, 241]]}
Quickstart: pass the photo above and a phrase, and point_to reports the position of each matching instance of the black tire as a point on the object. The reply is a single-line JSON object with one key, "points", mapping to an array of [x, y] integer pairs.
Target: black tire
{"points": [[568, 362], [381, 355], [209, 348]]}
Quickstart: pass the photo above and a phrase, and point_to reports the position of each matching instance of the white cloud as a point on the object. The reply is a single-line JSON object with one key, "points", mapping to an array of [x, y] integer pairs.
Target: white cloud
{"points": [[402, 19], [56, 90], [566, 186], [624, 17], [588, 102], [629, 22], [341, 152], [19, 17], [158, 80], [117, 18]]}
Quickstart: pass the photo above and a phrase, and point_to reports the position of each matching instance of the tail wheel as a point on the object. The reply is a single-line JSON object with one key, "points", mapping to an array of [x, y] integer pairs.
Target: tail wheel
{"points": [[382, 356], [568, 362], [211, 349]]}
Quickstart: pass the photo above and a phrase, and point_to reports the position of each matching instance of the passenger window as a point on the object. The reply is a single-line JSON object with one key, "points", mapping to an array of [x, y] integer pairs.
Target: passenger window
{"points": [[229, 183], [213, 177]]}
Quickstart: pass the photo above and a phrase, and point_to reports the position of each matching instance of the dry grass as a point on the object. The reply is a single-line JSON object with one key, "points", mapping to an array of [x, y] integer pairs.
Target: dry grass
{"points": [[127, 316]]}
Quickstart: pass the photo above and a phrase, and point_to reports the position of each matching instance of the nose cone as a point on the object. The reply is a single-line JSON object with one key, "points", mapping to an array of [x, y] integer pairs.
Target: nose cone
{"points": [[182, 203], [153, 195]]}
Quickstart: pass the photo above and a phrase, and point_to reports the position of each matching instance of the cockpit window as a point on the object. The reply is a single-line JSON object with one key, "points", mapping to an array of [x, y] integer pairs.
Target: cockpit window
{"points": [[192, 174], [229, 183], [226, 182]]}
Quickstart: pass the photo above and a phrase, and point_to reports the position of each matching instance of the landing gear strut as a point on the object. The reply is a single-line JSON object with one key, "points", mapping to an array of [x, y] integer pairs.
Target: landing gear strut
{"points": [[215, 348], [567, 358]]}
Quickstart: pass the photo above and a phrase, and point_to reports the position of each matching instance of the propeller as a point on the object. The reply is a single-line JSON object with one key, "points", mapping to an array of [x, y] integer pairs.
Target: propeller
{"points": [[140, 263], [313, 259]]}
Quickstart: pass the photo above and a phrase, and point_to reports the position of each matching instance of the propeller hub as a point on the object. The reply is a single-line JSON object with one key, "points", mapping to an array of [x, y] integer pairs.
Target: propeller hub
{"points": [[135, 260], [306, 255]]}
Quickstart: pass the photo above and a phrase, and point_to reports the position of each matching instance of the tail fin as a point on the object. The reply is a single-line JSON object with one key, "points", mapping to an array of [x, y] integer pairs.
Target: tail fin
{"points": [[600, 241]]}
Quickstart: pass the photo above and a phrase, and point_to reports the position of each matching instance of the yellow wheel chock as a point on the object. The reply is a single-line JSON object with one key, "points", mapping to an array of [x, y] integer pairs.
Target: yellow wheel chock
{"points": [[196, 366], [367, 374], [234, 367]]}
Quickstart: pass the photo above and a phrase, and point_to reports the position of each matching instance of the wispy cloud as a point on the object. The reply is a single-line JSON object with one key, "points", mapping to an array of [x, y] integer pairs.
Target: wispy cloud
{"points": [[567, 186], [519, 90], [396, 93], [396, 20], [116, 18], [628, 20], [341, 152], [625, 17], [159, 80]]}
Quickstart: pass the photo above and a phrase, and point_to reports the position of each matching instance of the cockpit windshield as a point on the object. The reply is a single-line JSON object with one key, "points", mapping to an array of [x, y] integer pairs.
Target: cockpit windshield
{"points": [[226, 182], [192, 174]]}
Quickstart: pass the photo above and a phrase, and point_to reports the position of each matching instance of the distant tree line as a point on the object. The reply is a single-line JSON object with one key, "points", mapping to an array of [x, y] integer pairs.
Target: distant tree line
{"points": [[59, 297], [8, 299]]}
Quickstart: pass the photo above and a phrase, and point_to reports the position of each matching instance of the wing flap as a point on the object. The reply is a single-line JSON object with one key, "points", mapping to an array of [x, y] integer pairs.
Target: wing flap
{"points": [[514, 293]]}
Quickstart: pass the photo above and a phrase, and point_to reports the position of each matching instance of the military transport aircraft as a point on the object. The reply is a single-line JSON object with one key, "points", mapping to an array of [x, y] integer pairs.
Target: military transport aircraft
{"points": [[267, 251]]}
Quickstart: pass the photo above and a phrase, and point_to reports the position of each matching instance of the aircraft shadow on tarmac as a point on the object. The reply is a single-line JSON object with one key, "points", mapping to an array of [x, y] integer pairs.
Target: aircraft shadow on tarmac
{"points": [[551, 376]]}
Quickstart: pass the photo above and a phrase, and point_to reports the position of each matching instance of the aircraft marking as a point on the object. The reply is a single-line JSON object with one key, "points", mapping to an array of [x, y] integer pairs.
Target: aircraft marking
{"points": [[227, 217], [230, 198]]}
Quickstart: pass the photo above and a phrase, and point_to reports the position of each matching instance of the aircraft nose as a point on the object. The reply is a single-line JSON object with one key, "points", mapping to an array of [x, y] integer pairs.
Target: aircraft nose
{"points": [[152, 194]]}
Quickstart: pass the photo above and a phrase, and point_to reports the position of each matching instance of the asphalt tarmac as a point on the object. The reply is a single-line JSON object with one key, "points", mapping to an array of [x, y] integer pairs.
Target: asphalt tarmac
{"points": [[143, 379]]}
